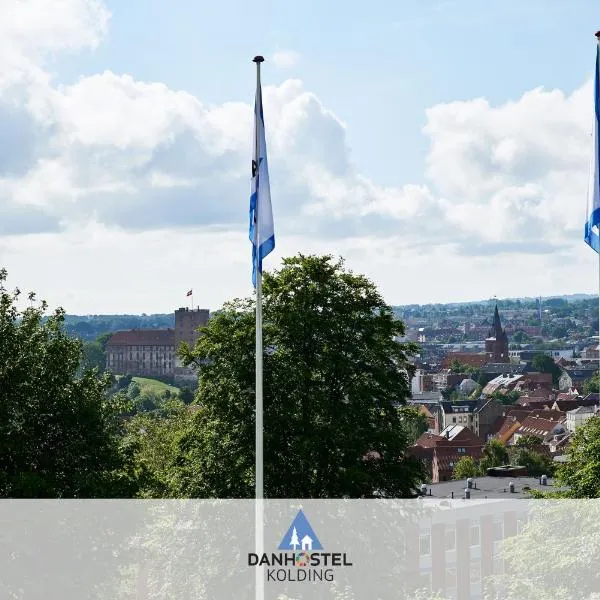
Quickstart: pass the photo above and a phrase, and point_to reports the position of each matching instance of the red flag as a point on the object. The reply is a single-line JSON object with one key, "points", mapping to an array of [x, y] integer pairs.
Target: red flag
{"points": [[189, 293]]}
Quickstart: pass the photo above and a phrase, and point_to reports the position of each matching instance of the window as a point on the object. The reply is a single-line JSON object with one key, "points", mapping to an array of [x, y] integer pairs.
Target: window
{"points": [[425, 544], [450, 539], [474, 535], [475, 573], [454, 419]]}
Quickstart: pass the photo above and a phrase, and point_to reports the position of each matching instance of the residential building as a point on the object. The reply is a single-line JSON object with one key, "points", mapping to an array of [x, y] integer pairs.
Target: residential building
{"points": [[591, 352], [455, 413], [539, 427], [578, 416], [484, 416], [471, 359], [503, 383], [576, 377], [445, 458], [441, 452]]}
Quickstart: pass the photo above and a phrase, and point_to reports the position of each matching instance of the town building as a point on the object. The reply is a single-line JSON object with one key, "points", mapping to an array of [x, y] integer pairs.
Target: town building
{"points": [[576, 377], [153, 352], [578, 416]]}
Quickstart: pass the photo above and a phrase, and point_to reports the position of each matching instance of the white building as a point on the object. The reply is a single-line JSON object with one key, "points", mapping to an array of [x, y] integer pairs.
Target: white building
{"points": [[578, 416], [417, 382]]}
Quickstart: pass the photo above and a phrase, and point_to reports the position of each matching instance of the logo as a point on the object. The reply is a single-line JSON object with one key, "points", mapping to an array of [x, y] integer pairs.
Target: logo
{"points": [[301, 557]]}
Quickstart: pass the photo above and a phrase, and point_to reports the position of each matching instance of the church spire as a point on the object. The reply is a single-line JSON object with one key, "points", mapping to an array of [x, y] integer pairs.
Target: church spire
{"points": [[497, 324]]}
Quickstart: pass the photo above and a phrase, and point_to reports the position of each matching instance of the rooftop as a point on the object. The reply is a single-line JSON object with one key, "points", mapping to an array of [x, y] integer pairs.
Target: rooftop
{"points": [[143, 337], [491, 488]]}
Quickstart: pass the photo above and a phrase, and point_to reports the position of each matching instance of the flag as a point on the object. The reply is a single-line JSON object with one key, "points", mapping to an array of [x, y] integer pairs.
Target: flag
{"points": [[592, 224], [189, 293], [261, 231]]}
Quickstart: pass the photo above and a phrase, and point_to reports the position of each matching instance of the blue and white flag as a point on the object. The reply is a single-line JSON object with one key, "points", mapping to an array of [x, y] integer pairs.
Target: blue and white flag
{"points": [[592, 225], [262, 232]]}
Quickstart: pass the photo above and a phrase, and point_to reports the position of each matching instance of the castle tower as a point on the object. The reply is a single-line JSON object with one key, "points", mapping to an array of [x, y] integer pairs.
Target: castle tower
{"points": [[496, 344], [186, 324]]}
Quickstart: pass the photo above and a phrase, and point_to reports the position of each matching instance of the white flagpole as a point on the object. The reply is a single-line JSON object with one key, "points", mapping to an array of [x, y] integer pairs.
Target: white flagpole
{"points": [[259, 487], [595, 166]]}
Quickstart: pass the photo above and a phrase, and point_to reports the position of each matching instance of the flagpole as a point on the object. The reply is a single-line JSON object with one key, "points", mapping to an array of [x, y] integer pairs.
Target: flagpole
{"points": [[258, 467], [596, 141]]}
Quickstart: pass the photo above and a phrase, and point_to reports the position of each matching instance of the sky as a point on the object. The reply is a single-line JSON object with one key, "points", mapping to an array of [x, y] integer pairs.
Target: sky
{"points": [[441, 147]]}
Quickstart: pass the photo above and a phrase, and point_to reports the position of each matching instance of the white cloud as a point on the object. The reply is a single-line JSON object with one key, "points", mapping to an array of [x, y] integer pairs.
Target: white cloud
{"points": [[286, 59], [112, 171]]}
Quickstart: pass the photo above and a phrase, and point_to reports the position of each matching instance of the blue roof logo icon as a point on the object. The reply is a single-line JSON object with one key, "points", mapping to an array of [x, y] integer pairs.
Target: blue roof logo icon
{"points": [[300, 536]]}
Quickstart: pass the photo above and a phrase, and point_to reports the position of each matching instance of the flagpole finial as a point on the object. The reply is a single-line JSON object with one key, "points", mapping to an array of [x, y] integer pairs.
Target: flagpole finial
{"points": [[258, 59], [597, 34]]}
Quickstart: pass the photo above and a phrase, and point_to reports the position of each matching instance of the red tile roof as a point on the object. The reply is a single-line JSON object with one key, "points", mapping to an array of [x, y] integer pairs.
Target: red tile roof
{"points": [[537, 426], [143, 337], [446, 457], [466, 358], [533, 400], [429, 440]]}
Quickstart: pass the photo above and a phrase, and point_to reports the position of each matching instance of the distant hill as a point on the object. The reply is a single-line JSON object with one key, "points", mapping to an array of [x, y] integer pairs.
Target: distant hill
{"points": [[89, 327], [522, 299]]}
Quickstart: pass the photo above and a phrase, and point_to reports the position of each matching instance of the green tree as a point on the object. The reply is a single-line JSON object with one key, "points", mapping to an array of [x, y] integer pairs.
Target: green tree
{"points": [[133, 390], [334, 377], [528, 441], [545, 364], [465, 467], [508, 398], [414, 423], [581, 472], [494, 455], [457, 367], [520, 337], [186, 395], [59, 434], [592, 385], [152, 439], [93, 357], [536, 464], [103, 340]]}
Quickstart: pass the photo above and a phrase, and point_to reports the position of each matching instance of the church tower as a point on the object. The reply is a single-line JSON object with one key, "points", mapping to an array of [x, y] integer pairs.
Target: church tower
{"points": [[496, 344]]}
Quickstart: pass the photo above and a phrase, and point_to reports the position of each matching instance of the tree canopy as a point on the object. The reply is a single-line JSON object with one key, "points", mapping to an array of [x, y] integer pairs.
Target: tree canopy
{"points": [[58, 431], [494, 455], [592, 385], [545, 364], [581, 472], [335, 377], [465, 467]]}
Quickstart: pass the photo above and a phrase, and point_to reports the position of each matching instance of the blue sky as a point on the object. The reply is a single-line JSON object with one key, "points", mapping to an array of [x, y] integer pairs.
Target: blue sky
{"points": [[378, 65], [409, 136]]}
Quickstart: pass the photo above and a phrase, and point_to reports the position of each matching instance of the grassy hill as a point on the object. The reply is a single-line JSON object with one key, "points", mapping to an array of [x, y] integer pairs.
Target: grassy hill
{"points": [[153, 386]]}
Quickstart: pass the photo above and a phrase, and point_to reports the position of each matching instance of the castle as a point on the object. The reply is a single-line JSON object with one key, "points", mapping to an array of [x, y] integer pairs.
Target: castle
{"points": [[152, 352]]}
